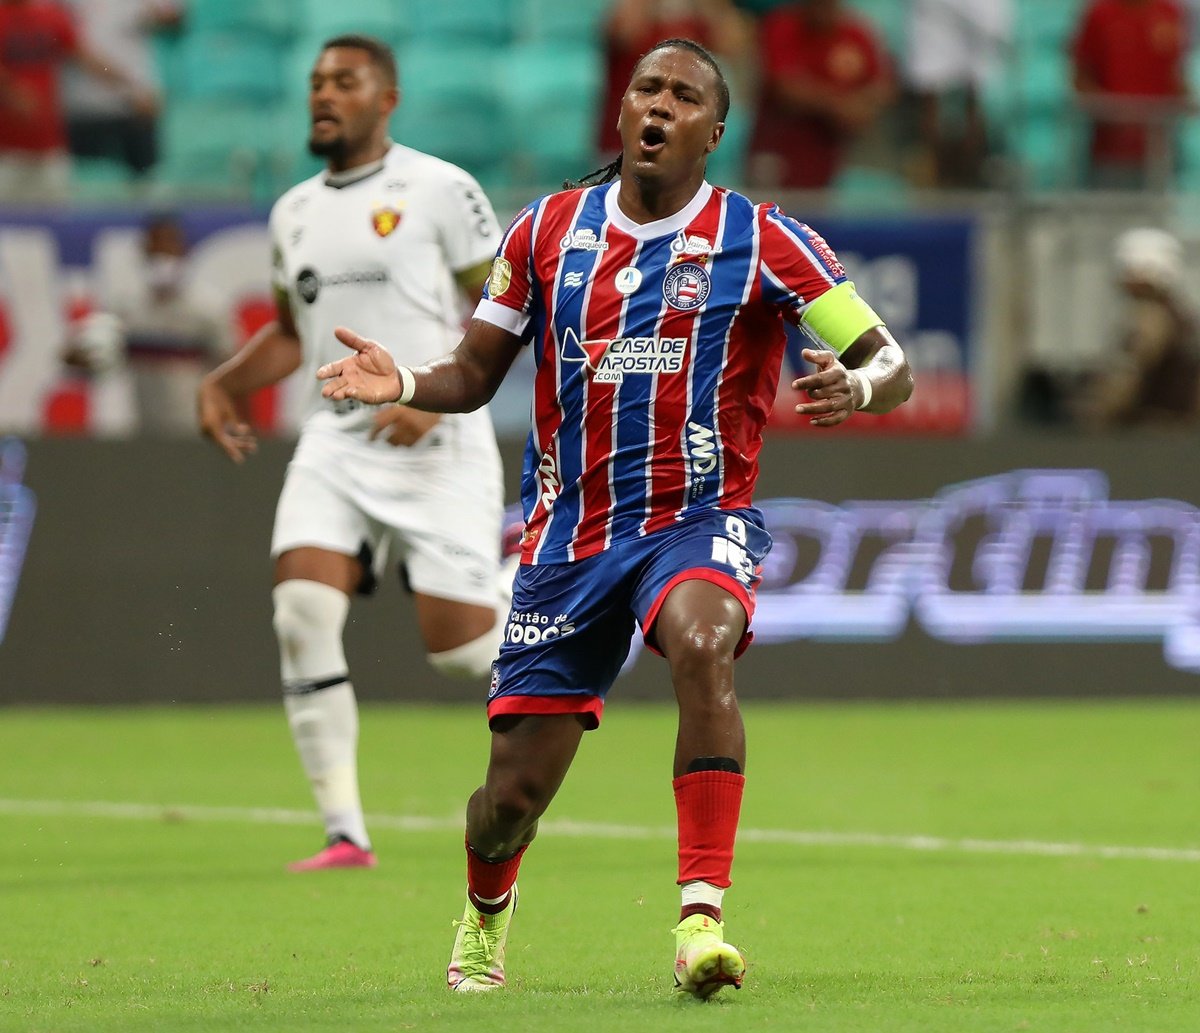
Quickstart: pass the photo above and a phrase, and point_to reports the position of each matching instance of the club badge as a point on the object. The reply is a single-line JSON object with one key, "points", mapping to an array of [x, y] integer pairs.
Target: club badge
{"points": [[385, 220], [687, 286]]}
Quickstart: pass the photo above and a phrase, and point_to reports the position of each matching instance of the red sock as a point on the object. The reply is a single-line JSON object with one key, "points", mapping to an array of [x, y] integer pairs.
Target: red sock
{"points": [[708, 804], [491, 880]]}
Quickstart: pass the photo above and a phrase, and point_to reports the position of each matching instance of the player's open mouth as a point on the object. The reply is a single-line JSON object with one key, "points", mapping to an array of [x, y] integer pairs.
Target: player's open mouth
{"points": [[653, 139], [324, 120]]}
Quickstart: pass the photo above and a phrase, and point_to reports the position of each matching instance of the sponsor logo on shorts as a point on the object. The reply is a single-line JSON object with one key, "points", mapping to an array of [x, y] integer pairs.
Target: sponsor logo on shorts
{"points": [[610, 359], [531, 629], [687, 287], [582, 240], [495, 686], [500, 279]]}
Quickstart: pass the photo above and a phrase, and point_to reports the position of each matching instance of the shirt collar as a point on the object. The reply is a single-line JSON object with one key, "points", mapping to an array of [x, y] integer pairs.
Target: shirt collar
{"points": [[671, 225]]}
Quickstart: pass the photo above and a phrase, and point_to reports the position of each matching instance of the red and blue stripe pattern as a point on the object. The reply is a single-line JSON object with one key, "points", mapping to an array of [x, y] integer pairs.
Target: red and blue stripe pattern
{"points": [[658, 358]]}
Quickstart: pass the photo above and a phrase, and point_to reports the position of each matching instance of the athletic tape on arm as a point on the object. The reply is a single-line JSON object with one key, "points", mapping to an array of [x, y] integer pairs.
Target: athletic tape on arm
{"points": [[838, 318]]}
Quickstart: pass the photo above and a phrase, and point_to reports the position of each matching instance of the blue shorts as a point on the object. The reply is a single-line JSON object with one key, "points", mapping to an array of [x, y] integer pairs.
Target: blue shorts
{"points": [[571, 624]]}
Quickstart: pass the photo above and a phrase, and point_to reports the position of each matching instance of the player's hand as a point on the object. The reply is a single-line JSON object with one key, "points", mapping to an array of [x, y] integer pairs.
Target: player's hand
{"points": [[400, 425], [219, 421], [369, 376], [833, 393]]}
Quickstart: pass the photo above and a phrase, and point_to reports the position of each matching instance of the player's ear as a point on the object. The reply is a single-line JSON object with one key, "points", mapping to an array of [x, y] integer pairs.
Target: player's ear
{"points": [[390, 100], [715, 139]]}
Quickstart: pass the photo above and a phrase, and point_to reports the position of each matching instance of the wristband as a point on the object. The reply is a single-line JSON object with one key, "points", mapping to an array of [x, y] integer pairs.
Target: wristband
{"points": [[408, 385], [867, 389]]}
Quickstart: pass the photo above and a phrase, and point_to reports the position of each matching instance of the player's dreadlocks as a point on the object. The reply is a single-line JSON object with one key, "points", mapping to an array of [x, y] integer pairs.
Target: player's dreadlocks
{"points": [[609, 172]]}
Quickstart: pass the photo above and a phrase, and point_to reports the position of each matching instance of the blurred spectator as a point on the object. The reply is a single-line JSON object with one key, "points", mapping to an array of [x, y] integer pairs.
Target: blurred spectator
{"points": [[36, 38], [825, 79], [1130, 76], [104, 121], [634, 26], [163, 330], [954, 48], [1154, 379]]}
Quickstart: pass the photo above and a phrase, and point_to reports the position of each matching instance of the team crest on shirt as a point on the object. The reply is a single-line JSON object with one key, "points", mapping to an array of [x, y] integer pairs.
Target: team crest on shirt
{"points": [[386, 220], [687, 286]]}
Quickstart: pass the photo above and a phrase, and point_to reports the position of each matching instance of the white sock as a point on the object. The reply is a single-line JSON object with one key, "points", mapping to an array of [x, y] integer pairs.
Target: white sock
{"points": [[319, 700], [698, 892], [325, 730]]}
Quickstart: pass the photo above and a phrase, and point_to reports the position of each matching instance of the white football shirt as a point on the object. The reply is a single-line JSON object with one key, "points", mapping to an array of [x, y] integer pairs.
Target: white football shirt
{"points": [[378, 254]]}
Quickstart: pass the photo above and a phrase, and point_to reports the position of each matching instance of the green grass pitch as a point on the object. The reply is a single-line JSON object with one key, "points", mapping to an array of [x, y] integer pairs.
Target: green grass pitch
{"points": [[982, 867]]}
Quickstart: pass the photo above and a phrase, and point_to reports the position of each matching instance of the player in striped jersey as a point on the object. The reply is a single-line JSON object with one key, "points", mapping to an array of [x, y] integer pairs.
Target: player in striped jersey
{"points": [[655, 305]]}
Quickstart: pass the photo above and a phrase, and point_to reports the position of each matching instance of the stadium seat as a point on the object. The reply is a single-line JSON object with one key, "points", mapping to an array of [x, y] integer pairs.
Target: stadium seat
{"points": [[214, 144], [387, 19], [890, 21], [241, 67], [479, 21], [1047, 81], [576, 21], [268, 17], [551, 93], [450, 102]]}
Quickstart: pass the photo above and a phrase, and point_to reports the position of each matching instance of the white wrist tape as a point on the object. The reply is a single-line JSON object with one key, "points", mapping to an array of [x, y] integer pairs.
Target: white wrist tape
{"points": [[867, 389], [408, 385]]}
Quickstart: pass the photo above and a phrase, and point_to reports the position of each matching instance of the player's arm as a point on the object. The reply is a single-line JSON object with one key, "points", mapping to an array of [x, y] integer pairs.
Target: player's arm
{"points": [[270, 355], [470, 281], [859, 367], [462, 381]]}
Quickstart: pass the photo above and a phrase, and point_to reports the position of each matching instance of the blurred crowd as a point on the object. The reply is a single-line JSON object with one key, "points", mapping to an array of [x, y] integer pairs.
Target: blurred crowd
{"points": [[933, 101], [820, 84]]}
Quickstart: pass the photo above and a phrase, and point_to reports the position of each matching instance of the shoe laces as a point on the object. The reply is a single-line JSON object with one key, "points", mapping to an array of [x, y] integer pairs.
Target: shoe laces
{"points": [[478, 947]]}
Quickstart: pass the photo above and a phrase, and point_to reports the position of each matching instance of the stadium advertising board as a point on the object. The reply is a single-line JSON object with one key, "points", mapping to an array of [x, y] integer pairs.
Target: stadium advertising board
{"points": [[57, 268], [901, 568], [919, 275]]}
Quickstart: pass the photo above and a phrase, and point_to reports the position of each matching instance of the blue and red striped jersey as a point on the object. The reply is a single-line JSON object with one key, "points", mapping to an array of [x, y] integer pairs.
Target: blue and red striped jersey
{"points": [[658, 351]]}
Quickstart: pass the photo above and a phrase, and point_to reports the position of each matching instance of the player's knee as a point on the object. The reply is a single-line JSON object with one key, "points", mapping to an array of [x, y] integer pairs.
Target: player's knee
{"points": [[702, 647], [517, 803], [308, 621], [473, 660]]}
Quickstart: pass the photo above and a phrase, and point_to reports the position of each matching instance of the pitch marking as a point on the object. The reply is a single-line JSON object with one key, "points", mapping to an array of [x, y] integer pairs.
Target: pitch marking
{"points": [[592, 830]]}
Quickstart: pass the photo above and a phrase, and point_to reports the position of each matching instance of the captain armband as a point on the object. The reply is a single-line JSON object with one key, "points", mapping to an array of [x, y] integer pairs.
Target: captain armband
{"points": [[838, 318]]}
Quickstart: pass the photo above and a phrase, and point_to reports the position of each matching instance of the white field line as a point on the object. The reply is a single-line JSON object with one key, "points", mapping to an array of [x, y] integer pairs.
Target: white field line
{"points": [[591, 830]]}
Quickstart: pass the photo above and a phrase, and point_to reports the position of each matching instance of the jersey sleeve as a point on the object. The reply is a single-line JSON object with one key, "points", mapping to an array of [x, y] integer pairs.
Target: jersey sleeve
{"points": [[275, 236], [467, 223], [508, 295], [800, 275]]}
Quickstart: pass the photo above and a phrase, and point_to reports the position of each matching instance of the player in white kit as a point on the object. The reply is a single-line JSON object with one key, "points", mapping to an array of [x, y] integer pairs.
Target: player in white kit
{"points": [[392, 240]]}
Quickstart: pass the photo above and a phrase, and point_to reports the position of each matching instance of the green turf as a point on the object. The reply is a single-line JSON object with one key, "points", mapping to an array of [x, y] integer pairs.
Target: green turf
{"points": [[189, 923]]}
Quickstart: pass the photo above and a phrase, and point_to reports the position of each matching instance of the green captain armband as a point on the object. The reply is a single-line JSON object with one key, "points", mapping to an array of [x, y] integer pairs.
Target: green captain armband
{"points": [[838, 318]]}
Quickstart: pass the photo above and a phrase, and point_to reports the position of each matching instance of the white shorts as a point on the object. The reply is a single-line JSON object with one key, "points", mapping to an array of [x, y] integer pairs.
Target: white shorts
{"points": [[435, 508]]}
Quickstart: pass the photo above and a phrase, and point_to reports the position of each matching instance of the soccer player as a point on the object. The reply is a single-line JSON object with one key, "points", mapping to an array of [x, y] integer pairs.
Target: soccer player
{"points": [[397, 240], [654, 303]]}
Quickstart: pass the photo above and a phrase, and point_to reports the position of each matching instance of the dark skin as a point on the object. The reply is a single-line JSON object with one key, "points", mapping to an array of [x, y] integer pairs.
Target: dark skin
{"points": [[670, 122]]}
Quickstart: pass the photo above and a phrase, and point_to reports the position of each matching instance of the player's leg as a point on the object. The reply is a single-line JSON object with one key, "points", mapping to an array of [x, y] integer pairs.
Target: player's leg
{"points": [[317, 542], [698, 629], [530, 756], [695, 599], [565, 641], [451, 541]]}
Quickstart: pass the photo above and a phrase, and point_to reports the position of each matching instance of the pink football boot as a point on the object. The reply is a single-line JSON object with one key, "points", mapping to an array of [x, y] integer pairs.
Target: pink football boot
{"points": [[339, 853]]}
